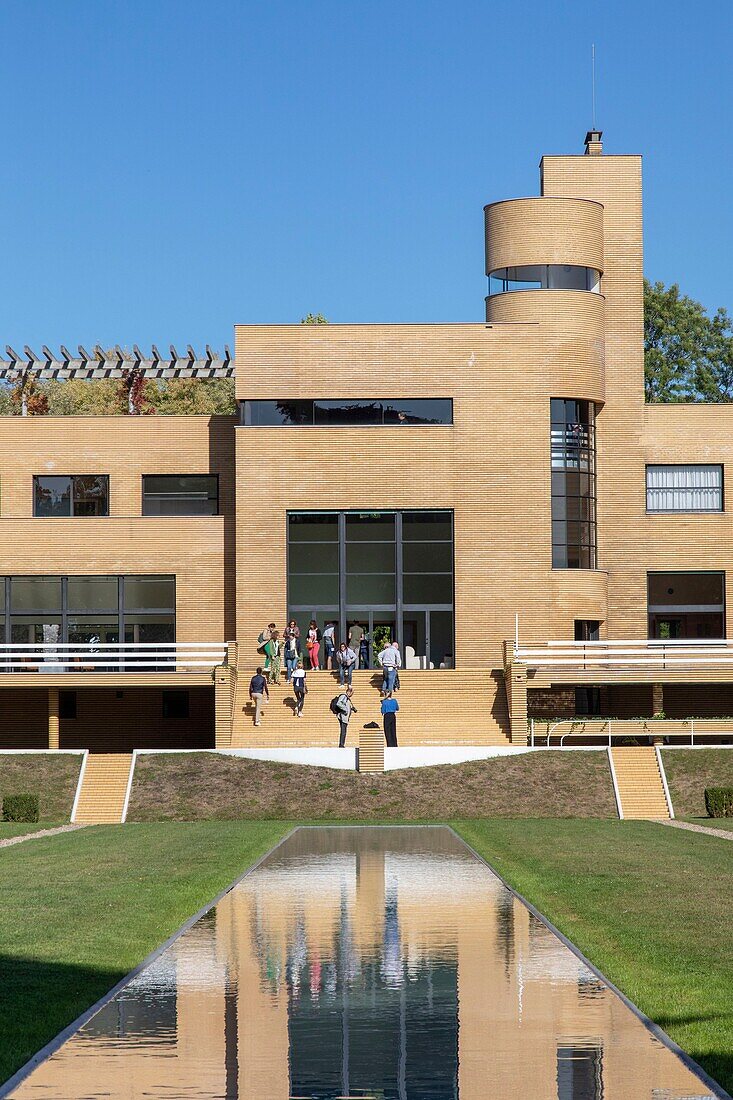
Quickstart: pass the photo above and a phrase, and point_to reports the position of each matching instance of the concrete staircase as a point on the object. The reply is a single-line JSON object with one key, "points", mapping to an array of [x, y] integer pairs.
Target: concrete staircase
{"points": [[437, 707], [103, 789], [639, 782]]}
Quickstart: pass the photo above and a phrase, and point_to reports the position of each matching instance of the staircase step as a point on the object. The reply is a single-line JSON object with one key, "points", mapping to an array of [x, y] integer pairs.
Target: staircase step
{"points": [[103, 789], [639, 782]]}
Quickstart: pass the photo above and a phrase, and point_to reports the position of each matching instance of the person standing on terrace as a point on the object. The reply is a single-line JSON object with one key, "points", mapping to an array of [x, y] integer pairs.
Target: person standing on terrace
{"points": [[291, 649], [329, 645], [313, 645]]}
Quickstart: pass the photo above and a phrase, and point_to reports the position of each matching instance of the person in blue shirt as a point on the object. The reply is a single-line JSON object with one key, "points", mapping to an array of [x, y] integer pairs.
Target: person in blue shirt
{"points": [[390, 706]]}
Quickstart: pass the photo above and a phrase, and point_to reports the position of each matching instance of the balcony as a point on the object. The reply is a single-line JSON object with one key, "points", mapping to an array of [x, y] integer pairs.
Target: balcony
{"points": [[609, 662], [140, 662]]}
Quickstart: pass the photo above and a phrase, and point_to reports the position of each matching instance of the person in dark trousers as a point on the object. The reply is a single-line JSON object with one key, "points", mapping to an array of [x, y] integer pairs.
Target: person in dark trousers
{"points": [[345, 708], [346, 661], [257, 689], [390, 706], [299, 689]]}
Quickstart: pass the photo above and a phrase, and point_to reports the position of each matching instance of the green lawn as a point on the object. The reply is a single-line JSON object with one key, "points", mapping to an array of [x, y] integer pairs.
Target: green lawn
{"points": [[81, 909], [13, 828], [649, 905]]}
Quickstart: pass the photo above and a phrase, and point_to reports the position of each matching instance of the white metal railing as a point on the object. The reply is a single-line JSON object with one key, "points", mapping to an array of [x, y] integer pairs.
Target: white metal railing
{"points": [[627, 727], [653, 653], [55, 657]]}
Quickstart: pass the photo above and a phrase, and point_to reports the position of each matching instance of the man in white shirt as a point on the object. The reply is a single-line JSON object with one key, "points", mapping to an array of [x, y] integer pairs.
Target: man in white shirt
{"points": [[390, 660]]}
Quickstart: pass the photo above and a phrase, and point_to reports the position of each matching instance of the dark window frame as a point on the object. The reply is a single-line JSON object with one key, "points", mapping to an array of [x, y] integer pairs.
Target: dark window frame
{"points": [[66, 613], [655, 610], [573, 459], [174, 515], [72, 496], [399, 605], [308, 409], [684, 511], [171, 708]]}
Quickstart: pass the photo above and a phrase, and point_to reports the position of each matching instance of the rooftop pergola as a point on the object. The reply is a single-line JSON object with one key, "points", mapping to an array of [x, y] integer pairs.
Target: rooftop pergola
{"points": [[112, 363]]}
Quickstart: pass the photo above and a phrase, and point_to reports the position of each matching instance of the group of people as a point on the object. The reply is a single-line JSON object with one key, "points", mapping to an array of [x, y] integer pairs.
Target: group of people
{"points": [[343, 659]]}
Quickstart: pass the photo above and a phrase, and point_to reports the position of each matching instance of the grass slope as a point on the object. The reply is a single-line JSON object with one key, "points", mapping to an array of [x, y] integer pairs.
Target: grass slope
{"points": [[690, 771], [81, 909], [649, 905], [196, 786], [52, 777]]}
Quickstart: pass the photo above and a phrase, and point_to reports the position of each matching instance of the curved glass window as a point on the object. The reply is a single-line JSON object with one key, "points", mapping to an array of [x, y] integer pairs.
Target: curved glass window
{"points": [[545, 277], [573, 469]]}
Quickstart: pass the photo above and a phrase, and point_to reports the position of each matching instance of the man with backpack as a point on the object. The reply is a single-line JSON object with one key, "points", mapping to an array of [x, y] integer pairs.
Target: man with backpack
{"points": [[343, 708]]}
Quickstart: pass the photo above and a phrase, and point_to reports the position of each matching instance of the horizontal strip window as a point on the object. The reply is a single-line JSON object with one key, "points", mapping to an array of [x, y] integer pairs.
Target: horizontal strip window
{"points": [[91, 610], [342, 413], [545, 277], [180, 495], [75, 495], [693, 488]]}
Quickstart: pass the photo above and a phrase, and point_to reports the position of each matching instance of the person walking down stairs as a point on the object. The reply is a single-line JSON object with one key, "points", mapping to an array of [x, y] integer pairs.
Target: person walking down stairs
{"points": [[343, 708], [257, 689], [300, 688]]}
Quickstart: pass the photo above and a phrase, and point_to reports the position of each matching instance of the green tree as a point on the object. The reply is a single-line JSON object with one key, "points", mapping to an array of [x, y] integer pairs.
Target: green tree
{"points": [[688, 355], [314, 319], [80, 397], [194, 396]]}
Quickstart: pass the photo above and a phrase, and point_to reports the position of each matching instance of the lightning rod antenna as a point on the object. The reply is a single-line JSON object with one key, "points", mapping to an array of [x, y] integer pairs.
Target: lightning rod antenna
{"points": [[593, 84]]}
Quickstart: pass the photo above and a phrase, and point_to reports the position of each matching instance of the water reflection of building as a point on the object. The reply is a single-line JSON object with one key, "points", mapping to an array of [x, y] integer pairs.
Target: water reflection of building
{"points": [[347, 967]]}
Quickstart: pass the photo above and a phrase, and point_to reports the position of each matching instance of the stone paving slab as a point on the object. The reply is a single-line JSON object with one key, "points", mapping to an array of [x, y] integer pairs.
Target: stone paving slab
{"points": [[35, 836], [695, 828]]}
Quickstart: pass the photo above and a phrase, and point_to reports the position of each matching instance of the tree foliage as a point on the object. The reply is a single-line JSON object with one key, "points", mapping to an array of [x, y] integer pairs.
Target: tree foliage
{"points": [[314, 319], [688, 355]]}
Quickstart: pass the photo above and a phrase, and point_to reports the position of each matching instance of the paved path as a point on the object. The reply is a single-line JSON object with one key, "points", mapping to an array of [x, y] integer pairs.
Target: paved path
{"points": [[723, 833], [34, 836]]}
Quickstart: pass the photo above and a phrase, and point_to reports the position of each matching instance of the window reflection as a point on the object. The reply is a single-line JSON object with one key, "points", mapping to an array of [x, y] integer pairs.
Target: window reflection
{"points": [[345, 412], [82, 495]]}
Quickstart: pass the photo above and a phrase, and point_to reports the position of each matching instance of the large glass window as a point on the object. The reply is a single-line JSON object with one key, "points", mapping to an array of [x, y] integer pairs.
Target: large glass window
{"points": [[79, 495], [573, 473], [545, 277], [389, 572], [695, 488], [686, 605], [346, 412], [180, 495], [49, 612]]}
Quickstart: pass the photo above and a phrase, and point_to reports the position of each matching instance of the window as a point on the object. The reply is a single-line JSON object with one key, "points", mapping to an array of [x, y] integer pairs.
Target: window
{"points": [[545, 277], [390, 572], [684, 488], [67, 704], [78, 495], [180, 495], [50, 612], [176, 705], [573, 474], [346, 412], [686, 605]]}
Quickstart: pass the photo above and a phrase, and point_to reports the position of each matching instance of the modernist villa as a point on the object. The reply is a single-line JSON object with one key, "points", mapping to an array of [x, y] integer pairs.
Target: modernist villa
{"points": [[495, 496]]}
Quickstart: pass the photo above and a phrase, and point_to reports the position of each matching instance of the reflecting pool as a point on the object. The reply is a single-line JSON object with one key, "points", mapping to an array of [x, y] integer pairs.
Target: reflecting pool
{"points": [[385, 963]]}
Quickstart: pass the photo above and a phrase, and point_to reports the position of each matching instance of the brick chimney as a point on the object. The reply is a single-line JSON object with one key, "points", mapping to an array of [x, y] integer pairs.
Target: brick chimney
{"points": [[593, 143]]}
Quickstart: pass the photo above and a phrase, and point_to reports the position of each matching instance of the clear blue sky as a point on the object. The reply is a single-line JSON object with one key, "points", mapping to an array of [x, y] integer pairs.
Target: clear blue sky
{"points": [[173, 167]]}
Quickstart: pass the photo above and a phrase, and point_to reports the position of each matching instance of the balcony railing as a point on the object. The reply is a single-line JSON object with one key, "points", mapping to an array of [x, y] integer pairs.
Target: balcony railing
{"points": [[111, 657], [654, 653]]}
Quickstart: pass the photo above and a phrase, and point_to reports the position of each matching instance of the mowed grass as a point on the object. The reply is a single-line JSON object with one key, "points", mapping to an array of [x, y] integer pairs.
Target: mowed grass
{"points": [[650, 906], [690, 771], [198, 786], [53, 777], [723, 823], [81, 909], [10, 829]]}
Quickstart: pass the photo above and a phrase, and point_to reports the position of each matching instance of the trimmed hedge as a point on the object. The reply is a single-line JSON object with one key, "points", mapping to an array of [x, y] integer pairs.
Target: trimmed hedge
{"points": [[20, 807], [719, 801]]}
